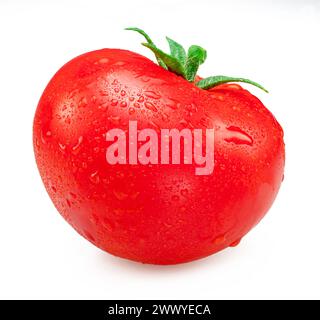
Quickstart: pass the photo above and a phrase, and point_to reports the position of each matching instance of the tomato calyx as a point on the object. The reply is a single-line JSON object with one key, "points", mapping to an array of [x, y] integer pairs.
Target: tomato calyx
{"points": [[186, 64]]}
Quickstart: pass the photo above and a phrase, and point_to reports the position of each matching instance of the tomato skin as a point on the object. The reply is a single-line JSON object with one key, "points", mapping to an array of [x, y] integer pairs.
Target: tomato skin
{"points": [[160, 214]]}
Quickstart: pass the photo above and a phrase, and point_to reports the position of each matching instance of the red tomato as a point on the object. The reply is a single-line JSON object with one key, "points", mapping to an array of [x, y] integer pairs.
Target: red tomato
{"points": [[155, 213]]}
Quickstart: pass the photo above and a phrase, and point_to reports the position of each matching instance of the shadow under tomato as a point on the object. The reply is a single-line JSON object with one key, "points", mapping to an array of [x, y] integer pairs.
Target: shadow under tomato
{"points": [[224, 257]]}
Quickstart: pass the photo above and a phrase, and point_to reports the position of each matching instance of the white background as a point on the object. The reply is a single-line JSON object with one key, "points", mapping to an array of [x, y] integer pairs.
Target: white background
{"points": [[273, 42]]}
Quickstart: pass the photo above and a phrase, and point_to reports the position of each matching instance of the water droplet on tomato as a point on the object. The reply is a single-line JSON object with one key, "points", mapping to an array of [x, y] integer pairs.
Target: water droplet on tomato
{"points": [[84, 165], [122, 93], [94, 177], [114, 102], [62, 147], [236, 135], [183, 122], [203, 122], [134, 195], [143, 78], [141, 99], [136, 105], [73, 195], [155, 125], [150, 106], [114, 119], [123, 104], [73, 93], [67, 120], [96, 149], [235, 243], [165, 117], [37, 144], [120, 195], [76, 148], [152, 94], [83, 102], [131, 111], [43, 137], [172, 106]]}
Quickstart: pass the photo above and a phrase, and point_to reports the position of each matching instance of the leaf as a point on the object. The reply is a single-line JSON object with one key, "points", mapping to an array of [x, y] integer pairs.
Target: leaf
{"points": [[177, 51], [211, 82], [172, 63], [148, 39], [196, 56]]}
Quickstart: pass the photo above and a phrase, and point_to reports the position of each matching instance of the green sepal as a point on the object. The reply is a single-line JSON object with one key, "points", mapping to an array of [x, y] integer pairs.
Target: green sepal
{"points": [[211, 82], [177, 51], [172, 63], [196, 56], [148, 39]]}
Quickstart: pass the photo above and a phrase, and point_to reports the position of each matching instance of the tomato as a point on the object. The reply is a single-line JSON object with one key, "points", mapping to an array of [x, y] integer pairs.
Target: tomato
{"points": [[154, 213]]}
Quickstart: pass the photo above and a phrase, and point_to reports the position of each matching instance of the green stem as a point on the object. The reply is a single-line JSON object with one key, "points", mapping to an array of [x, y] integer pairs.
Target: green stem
{"points": [[187, 64], [211, 82]]}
